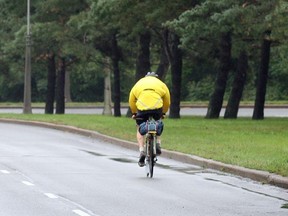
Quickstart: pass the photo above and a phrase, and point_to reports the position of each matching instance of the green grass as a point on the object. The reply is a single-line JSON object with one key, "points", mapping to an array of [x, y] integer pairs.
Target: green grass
{"points": [[261, 145]]}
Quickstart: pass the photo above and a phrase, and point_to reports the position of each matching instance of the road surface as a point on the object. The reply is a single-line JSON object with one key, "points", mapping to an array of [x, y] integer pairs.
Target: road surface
{"points": [[50, 172]]}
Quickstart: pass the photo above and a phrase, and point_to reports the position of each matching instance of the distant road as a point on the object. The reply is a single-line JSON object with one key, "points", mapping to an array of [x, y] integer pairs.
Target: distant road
{"points": [[280, 111]]}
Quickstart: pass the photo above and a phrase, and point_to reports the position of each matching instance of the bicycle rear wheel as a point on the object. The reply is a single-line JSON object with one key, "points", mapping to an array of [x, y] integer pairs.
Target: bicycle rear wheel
{"points": [[150, 160]]}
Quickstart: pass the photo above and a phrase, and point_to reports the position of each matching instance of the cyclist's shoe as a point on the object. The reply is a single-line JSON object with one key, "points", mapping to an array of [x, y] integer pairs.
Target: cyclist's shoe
{"points": [[158, 149], [141, 161]]}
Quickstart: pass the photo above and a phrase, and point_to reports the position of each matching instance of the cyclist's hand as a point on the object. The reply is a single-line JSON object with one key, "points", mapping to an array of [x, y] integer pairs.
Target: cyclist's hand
{"points": [[163, 115], [133, 116]]}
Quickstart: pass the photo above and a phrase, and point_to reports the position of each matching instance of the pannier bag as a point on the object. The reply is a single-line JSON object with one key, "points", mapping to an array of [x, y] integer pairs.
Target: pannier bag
{"points": [[157, 126]]}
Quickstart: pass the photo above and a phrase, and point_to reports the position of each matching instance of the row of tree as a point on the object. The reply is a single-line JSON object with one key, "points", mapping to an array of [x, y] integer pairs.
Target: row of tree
{"points": [[76, 41]]}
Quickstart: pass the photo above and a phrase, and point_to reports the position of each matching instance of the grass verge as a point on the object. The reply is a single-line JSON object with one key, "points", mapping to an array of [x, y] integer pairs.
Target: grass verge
{"points": [[261, 145]]}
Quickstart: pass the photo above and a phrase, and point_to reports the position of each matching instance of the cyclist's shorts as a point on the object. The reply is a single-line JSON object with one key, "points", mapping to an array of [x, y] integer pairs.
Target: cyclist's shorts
{"points": [[144, 115]]}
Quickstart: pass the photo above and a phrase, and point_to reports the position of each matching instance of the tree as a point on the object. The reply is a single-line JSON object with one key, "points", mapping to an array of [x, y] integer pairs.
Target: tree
{"points": [[144, 20], [274, 13], [258, 112], [143, 56], [116, 57], [212, 19], [238, 86], [53, 16], [107, 88], [10, 14], [101, 29], [207, 24], [216, 99], [60, 83], [67, 90], [174, 54], [51, 83], [83, 33], [164, 64]]}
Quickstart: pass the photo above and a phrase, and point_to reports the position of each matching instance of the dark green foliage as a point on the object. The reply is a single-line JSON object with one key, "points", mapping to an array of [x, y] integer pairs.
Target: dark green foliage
{"points": [[84, 31]]}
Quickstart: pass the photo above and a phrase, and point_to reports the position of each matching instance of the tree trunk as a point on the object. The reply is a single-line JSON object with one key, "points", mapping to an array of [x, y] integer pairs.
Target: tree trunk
{"points": [[117, 90], [143, 59], [107, 88], [176, 75], [60, 97], [67, 86], [258, 112], [51, 79], [216, 99], [163, 64], [238, 86]]}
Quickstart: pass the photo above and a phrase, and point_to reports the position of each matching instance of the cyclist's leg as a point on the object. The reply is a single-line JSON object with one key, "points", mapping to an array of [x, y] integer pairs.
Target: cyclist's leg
{"points": [[141, 117], [142, 155], [140, 138]]}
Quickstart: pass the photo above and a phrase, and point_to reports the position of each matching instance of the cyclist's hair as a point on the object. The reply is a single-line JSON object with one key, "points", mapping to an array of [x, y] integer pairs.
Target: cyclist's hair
{"points": [[152, 74]]}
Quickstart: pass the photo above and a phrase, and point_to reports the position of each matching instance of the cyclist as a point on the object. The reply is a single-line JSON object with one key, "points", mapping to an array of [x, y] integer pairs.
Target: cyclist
{"points": [[149, 96]]}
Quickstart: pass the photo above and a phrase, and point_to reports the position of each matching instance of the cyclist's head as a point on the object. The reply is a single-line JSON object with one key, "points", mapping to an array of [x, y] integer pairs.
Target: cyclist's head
{"points": [[152, 74]]}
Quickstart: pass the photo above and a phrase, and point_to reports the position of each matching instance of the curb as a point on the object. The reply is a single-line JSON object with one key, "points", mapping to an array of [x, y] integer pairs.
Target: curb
{"points": [[257, 175]]}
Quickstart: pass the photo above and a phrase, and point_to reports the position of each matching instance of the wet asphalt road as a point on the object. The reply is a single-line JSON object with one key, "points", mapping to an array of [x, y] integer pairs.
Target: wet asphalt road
{"points": [[50, 172]]}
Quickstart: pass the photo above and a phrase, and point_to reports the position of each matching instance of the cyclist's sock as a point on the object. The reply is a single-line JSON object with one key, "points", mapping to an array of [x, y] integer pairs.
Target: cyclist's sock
{"points": [[158, 148], [141, 149]]}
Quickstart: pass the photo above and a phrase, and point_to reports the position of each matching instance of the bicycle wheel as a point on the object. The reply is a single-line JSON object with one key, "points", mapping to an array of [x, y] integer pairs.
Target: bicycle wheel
{"points": [[147, 158], [152, 156]]}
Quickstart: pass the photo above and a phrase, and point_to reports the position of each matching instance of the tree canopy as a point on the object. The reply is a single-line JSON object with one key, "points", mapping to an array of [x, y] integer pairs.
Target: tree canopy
{"points": [[181, 40]]}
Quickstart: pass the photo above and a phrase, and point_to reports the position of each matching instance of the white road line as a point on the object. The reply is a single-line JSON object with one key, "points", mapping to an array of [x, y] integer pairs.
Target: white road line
{"points": [[81, 213], [50, 195], [5, 171], [27, 183]]}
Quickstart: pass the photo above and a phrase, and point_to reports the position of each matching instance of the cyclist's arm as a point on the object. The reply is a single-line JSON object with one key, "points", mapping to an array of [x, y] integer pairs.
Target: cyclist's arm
{"points": [[132, 102], [166, 99]]}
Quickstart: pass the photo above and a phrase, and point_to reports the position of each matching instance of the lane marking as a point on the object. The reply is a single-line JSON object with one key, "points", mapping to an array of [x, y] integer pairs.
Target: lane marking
{"points": [[81, 213], [51, 196], [27, 183], [5, 171]]}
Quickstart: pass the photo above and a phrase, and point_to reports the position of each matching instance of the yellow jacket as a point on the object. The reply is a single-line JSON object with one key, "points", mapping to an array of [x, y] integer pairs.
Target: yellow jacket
{"points": [[149, 93]]}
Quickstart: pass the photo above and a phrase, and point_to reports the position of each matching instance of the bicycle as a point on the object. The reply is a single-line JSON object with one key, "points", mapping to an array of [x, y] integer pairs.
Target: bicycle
{"points": [[150, 146], [150, 129]]}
